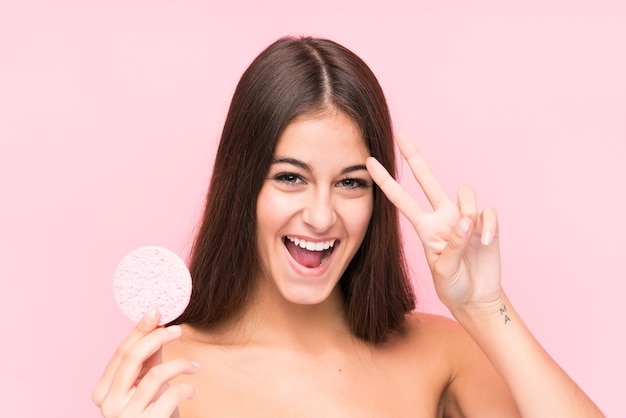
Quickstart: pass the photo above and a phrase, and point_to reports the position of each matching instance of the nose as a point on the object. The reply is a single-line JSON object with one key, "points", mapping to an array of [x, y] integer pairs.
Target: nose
{"points": [[319, 212]]}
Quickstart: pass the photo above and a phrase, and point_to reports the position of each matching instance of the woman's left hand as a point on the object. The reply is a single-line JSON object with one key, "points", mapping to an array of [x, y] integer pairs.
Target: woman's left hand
{"points": [[461, 244]]}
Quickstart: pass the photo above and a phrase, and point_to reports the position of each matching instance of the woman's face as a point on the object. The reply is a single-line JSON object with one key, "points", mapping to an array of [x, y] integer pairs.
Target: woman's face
{"points": [[314, 207]]}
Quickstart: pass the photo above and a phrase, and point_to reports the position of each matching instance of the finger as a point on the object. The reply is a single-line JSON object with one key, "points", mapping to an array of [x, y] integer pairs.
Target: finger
{"points": [[421, 170], [489, 220], [155, 384], [167, 403], [145, 325], [466, 200], [133, 359], [393, 190], [449, 262]]}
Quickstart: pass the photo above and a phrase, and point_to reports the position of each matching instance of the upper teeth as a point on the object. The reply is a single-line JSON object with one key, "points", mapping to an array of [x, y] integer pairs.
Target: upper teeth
{"points": [[312, 246]]}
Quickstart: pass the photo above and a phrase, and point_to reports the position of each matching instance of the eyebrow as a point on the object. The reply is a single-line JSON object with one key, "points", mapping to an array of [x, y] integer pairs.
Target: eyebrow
{"points": [[308, 168]]}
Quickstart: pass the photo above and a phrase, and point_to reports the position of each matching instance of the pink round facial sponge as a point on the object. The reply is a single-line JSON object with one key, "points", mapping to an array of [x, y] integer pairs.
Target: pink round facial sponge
{"points": [[152, 278]]}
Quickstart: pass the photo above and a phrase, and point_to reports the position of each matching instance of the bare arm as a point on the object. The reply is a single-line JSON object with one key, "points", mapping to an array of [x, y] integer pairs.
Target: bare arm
{"points": [[540, 387], [462, 249]]}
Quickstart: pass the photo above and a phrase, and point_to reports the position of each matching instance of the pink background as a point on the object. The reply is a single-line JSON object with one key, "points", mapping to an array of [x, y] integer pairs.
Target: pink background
{"points": [[110, 112]]}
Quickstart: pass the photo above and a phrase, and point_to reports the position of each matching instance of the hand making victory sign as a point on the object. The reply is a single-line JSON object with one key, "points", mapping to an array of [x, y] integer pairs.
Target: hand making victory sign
{"points": [[461, 244], [462, 251]]}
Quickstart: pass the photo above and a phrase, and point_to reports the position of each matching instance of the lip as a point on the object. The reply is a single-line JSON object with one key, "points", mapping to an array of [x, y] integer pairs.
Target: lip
{"points": [[310, 272]]}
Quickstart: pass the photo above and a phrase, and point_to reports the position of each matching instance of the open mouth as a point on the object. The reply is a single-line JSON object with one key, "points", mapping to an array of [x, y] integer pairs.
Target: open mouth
{"points": [[307, 253]]}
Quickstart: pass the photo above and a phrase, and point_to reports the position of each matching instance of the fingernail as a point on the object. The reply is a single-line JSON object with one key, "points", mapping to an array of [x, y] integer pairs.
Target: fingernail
{"points": [[195, 364], [486, 238], [463, 227], [174, 329], [151, 316]]}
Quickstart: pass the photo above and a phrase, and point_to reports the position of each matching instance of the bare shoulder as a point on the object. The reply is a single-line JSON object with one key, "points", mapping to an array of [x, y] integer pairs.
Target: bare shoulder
{"points": [[435, 331], [430, 322], [474, 387], [435, 335]]}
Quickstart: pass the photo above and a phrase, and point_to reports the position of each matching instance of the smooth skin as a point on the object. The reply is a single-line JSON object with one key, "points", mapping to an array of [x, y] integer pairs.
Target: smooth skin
{"points": [[135, 383], [463, 254], [313, 195], [307, 363]]}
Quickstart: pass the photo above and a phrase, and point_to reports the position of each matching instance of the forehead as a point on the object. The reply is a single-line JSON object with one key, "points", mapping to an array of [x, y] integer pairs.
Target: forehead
{"points": [[322, 134]]}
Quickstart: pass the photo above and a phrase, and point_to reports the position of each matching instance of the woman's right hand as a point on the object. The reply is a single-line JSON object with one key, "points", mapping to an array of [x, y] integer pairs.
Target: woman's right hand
{"points": [[135, 383]]}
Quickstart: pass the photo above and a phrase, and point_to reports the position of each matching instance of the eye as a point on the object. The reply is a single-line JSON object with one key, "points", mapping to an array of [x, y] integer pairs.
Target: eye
{"points": [[351, 183], [289, 178]]}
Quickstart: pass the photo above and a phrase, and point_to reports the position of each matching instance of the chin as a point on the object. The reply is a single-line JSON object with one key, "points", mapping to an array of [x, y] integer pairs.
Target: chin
{"points": [[299, 298], [306, 294]]}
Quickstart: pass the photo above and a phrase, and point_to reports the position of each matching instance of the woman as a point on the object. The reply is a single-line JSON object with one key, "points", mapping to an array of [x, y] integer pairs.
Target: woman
{"points": [[301, 305]]}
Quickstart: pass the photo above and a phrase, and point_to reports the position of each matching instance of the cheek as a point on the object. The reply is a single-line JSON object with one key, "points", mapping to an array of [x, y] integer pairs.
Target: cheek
{"points": [[357, 216], [265, 223], [273, 212], [265, 214]]}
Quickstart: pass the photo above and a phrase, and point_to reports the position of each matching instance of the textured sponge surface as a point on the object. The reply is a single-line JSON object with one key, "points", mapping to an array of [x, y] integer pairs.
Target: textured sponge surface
{"points": [[152, 278]]}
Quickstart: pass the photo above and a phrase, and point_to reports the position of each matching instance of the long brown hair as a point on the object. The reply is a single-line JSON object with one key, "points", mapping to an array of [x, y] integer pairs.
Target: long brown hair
{"points": [[293, 77]]}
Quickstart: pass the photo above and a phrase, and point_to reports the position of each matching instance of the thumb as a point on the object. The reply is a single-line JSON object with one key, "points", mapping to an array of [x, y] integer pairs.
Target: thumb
{"points": [[449, 261]]}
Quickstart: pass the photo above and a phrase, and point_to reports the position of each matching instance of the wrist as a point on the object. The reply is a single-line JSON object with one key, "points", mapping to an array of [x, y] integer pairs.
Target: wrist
{"points": [[496, 308]]}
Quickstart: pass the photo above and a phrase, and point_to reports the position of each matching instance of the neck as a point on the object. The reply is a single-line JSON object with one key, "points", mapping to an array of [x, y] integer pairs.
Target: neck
{"points": [[271, 319]]}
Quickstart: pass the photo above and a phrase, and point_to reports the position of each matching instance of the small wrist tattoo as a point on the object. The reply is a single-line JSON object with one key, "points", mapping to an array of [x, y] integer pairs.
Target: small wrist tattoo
{"points": [[503, 313]]}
